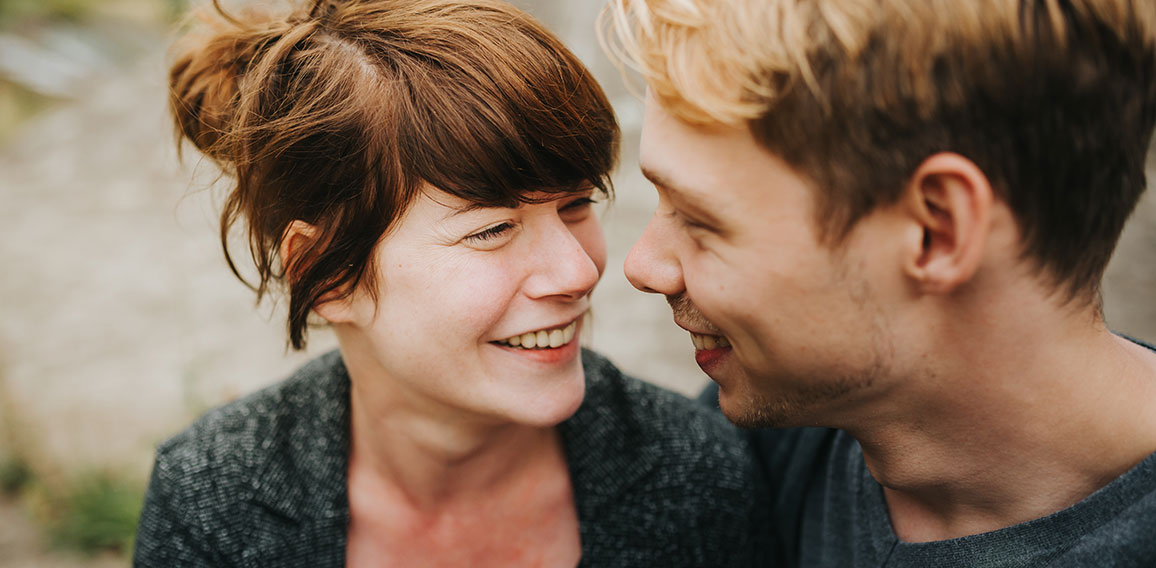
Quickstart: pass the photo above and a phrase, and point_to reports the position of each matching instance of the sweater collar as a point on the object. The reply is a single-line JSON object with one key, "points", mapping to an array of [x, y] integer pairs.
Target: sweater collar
{"points": [[603, 428], [303, 477], [302, 487]]}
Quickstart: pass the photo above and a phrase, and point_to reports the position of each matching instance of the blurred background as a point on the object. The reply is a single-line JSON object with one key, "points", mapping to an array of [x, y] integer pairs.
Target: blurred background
{"points": [[119, 321]]}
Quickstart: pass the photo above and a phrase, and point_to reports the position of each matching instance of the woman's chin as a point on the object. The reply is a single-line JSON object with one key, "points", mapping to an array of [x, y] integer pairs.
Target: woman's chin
{"points": [[549, 408]]}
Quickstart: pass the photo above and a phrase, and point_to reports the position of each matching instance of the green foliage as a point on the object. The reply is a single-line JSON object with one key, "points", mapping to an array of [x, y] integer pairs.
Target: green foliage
{"points": [[68, 10], [15, 476], [97, 512], [14, 13]]}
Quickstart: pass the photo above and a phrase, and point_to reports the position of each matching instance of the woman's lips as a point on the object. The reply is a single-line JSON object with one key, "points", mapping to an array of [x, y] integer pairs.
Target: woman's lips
{"points": [[551, 345], [564, 352], [549, 338]]}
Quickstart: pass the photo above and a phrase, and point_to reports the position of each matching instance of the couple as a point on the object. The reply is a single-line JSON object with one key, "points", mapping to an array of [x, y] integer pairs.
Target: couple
{"points": [[884, 225]]}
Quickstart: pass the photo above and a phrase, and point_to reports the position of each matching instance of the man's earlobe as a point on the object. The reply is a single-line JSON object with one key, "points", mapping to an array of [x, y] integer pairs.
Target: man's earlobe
{"points": [[950, 198], [296, 243]]}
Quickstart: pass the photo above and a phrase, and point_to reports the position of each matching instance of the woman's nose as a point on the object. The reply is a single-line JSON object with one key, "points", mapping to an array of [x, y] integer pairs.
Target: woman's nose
{"points": [[651, 265], [569, 264]]}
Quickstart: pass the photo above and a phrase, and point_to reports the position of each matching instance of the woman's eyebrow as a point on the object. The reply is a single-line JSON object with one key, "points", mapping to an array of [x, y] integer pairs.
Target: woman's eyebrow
{"points": [[466, 208]]}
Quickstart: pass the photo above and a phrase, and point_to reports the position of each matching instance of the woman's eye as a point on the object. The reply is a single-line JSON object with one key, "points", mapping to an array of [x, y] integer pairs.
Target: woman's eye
{"points": [[490, 233], [576, 210], [578, 204]]}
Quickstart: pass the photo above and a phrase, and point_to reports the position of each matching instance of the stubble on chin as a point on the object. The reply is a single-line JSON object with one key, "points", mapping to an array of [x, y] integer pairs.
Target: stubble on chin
{"points": [[822, 400], [752, 410]]}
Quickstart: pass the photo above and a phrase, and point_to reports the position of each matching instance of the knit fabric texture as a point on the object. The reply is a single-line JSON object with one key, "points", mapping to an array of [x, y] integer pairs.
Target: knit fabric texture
{"points": [[827, 511], [657, 479]]}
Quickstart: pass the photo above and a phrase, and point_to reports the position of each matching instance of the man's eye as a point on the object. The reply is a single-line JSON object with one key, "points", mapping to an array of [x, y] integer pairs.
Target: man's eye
{"points": [[490, 233], [689, 223]]}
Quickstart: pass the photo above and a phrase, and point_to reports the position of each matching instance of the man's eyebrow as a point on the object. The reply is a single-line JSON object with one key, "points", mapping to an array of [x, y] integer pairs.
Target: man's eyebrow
{"points": [[685, 197], [657, 178]]}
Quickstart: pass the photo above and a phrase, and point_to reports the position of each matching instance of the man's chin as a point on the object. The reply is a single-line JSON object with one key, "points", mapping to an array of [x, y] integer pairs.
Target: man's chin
{"points": [[748, 410]]}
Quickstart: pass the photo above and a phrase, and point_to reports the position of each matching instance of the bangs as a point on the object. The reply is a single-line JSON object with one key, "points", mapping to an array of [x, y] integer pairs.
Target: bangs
{"points": [[496, 126]]}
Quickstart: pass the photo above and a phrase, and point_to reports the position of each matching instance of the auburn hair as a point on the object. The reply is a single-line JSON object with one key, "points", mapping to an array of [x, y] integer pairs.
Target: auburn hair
{"points": [[338, 113], [1054, 100]]}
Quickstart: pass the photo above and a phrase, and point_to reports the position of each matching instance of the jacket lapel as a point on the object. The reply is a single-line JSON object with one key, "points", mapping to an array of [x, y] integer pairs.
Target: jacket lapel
{"points": [[299, 508]]}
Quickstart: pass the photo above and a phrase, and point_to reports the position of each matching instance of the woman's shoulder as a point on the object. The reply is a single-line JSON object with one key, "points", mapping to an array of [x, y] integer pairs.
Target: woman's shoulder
{"points": [[650, 413], [658, 479], [247, 428], [244, 468]]}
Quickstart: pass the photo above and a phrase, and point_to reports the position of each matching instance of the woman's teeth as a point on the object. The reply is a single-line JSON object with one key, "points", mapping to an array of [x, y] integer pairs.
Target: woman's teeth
{"points": [[704, 342], [543, 339]]}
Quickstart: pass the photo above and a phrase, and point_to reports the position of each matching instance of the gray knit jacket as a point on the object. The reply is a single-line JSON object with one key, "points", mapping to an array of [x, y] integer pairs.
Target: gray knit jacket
{"points": [[658, 480]]}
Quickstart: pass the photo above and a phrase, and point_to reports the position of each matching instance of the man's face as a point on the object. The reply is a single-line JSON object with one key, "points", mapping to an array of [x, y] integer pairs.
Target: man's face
{"points": [[791, 329]]}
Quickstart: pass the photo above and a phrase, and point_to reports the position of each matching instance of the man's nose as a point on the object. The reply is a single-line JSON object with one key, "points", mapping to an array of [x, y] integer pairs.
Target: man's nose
{"points": [[651, 265]]}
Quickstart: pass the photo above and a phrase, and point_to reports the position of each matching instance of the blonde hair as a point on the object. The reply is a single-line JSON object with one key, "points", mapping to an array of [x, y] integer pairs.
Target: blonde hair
{"points": [[1054, 99]]}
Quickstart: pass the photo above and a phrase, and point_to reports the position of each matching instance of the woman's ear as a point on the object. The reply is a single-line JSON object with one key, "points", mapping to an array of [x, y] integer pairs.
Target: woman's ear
{"points": [[298, 239], [950, 199]]}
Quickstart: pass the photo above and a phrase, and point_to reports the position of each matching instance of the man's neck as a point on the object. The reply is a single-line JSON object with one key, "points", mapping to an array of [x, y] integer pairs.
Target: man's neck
{"points": [[1002, 433]]}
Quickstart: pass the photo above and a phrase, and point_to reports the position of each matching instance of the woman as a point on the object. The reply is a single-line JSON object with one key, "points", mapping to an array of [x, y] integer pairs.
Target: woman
{"points": [[419, 174]]}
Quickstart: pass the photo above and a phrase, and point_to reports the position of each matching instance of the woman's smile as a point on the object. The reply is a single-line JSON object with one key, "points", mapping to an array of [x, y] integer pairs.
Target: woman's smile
{"points": [[549, 345], [483, 326], [543, 338]]}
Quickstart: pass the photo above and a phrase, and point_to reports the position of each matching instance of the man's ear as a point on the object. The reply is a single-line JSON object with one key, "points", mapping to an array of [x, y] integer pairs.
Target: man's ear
{"points": [[950, 199], [298, 239]]}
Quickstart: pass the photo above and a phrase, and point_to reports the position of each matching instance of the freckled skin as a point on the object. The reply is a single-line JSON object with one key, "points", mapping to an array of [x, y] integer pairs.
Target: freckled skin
{"points": [[444, 301], [455, 461]]}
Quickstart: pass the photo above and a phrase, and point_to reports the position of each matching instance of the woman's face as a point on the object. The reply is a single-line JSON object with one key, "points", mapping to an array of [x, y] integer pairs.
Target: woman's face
{"points": [[462, 294]]}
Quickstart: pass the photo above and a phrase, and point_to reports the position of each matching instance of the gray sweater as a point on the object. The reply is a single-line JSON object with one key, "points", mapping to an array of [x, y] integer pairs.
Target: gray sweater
{"points": [[658, 480], [827, 511]]}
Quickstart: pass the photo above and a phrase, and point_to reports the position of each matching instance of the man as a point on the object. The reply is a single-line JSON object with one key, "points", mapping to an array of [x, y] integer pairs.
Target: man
{"points": [[889, 219]]}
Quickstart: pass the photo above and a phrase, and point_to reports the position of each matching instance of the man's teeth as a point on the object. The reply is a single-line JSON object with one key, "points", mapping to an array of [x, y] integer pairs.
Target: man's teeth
{"points": [[544, 338], [702, 342]]}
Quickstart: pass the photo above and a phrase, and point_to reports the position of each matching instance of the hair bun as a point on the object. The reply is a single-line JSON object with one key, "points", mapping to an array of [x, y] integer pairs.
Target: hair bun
{"points": [[323, 9], [208, 68]]}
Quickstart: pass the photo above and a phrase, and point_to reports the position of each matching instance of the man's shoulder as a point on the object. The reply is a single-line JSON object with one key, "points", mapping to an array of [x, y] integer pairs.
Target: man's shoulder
{"points": [[1119, 520]]}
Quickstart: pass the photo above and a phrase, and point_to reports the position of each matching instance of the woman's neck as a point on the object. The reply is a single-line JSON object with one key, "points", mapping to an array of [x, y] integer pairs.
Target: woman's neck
{"points": [[441, 490], [434, 457]]}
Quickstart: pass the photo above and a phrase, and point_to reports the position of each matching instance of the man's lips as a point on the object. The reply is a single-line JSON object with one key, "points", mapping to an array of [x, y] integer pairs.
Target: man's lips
{"points": [[710, 346], [707, 341], [708, 359], [709, 349]]}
